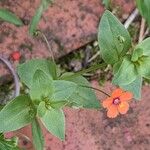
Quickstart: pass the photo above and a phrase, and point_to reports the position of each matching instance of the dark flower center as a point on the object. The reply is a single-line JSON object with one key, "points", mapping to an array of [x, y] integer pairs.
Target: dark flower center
{"points": [[116, 101]]}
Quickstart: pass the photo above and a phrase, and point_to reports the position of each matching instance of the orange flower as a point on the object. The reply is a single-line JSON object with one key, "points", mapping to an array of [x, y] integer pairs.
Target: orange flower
{"points": [[117, 103]]}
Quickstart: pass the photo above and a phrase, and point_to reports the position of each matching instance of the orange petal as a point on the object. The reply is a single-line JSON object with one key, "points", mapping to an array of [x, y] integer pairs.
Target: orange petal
{"points": [[112, 111], [117, 93], [107, 102], [126, 96], [123, 107]]}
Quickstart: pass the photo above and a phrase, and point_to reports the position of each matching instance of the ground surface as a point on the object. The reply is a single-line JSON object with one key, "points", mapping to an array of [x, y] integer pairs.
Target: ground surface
{"points": [[68, 25], [92, 130]]}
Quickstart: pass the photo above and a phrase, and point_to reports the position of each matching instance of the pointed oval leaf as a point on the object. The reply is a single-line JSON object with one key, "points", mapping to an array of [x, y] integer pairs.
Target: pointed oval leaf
{"points": [[10, 17], [58, 105], [41, 110], [27, 70], [145, 46], [114, 39], [54, 121], [62, 90], [116, 66], [137, 53], [134, 87], [144, 67], [42, 85], [83, 96], [126, 74], [16, 114]]}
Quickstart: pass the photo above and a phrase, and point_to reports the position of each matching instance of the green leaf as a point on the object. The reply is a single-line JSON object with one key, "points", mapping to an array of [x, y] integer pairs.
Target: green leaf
{"points": [[42, 107], [145, 46], [38, 139], [16, 114], [53, 69], [10, 17], [41, 110], [1, 107], [38, 14], [58, 105], [144, 67], [35, 20], [106, 3], [27, 70], [42, 85], [137, 53], [8, 144], [144, 8], [46, 3], [127, 72], [134, 87], [62, 90], [114, 40], [54, 121], [116, 66], [83, 96]]}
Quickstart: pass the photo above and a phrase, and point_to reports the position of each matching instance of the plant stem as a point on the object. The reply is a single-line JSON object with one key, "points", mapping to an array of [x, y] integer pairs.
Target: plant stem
{"points": [[95, 89], [12, 71], [48, 45], [146, 32], [142, 30], [92, 68], [131, 18]]}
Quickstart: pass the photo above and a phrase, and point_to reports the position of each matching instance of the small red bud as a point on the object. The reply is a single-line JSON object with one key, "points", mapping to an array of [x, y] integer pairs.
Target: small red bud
{"points": [[16, 55]]}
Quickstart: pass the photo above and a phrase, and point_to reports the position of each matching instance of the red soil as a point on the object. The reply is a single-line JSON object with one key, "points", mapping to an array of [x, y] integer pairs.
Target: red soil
{"points": [[93, 130], [68, 25]]}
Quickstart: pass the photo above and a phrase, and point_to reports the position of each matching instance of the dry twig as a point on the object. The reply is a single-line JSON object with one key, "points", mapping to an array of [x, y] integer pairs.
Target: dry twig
{"points": [[131, 18], [142, 29], [146, 33], [13, 72]]}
